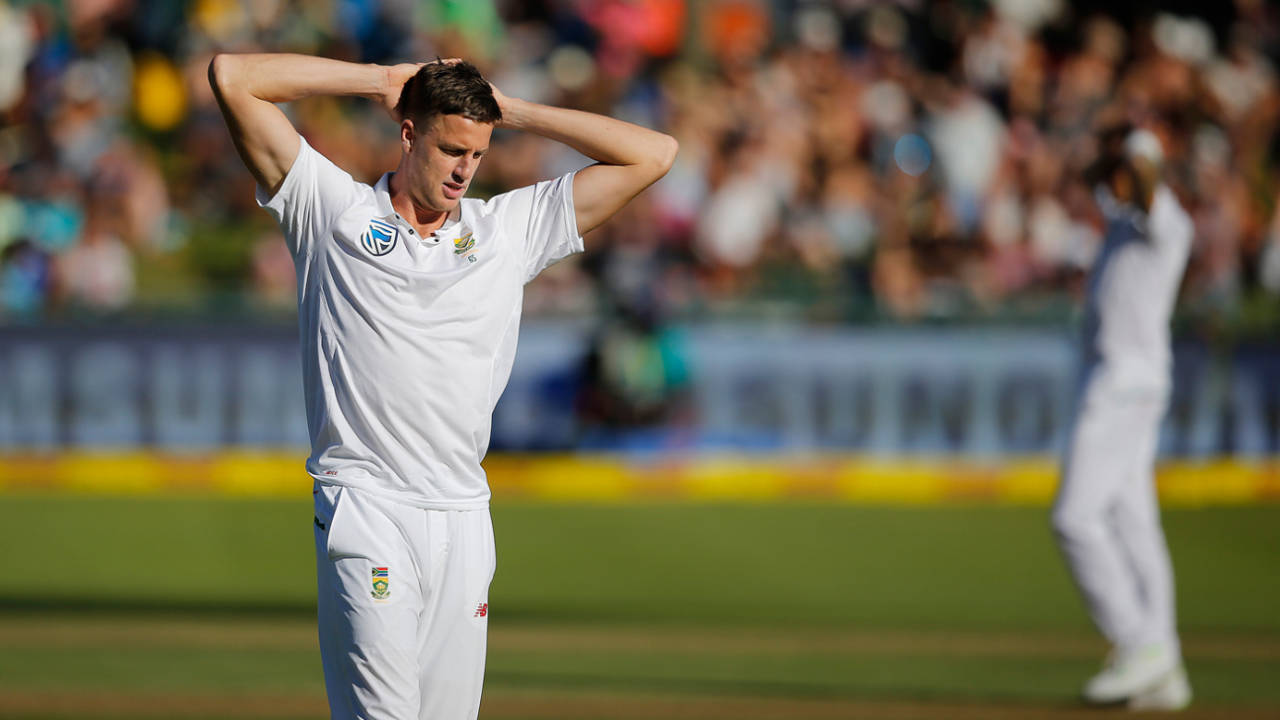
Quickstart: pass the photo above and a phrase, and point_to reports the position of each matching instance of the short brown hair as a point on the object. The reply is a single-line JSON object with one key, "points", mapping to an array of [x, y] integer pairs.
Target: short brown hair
{"points": [[1109, 156], [448, 89]]}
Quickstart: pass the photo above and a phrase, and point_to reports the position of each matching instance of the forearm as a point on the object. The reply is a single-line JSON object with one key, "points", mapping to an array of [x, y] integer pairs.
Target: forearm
{"points": [[603, 139], [248, 87], [285, 77], [628, 158]]}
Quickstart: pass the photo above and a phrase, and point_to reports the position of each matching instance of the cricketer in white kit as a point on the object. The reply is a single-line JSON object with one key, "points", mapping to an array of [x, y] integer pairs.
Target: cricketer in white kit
{"points": [[1106, 516], [409, 300]]}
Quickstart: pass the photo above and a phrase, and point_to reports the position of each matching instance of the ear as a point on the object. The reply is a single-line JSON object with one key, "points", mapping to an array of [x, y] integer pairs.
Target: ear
{"points": [[407, 135]]}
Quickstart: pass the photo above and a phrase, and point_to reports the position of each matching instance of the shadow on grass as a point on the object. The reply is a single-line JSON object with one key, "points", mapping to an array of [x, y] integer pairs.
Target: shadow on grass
{"points": [[788, 690], [17, 605]]}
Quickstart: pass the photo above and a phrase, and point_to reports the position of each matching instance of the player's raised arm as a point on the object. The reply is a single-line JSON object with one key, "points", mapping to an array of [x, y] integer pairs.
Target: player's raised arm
{"points": [[629, 158], [248, 86]]}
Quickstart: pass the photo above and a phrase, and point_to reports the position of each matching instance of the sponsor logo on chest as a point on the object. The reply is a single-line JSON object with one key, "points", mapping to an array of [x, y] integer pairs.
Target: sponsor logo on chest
{"points": [[379, 237]]}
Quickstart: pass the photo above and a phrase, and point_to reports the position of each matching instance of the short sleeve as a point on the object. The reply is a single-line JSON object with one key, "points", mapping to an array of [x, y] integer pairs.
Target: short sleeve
{"points": [[542, 218], [314, 193]]}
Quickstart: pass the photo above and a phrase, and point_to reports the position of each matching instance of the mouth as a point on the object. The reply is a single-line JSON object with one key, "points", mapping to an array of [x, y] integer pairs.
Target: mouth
{"points": [[453, 190]]}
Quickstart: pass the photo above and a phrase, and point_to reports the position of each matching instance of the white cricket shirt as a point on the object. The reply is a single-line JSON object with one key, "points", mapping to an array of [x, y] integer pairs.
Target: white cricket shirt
{"points": [[1131, 293], [407, 342]]}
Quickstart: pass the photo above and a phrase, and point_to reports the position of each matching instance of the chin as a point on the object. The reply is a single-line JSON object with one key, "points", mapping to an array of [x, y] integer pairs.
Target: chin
{"points": [[440, 204]]}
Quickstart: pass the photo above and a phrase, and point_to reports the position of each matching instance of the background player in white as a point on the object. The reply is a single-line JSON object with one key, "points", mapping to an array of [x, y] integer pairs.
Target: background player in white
{"points": [[409, 299], [1106, 515]]}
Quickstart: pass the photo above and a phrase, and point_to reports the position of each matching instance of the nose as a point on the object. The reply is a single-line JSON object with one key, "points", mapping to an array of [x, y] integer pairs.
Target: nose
{"points": [[465, 168]]}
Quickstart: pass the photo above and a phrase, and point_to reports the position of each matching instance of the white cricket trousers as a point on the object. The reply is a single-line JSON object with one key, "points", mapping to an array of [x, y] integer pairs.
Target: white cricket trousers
{"points": [[1107, 519], [403, 606]]}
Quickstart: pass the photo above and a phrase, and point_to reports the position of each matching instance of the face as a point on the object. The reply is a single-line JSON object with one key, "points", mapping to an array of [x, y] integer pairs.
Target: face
{"points": [[441, 159], [1122, 184]]}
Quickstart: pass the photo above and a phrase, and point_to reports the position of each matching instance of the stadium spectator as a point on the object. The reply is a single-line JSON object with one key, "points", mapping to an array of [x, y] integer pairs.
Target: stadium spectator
{"points": [[844, 161]]}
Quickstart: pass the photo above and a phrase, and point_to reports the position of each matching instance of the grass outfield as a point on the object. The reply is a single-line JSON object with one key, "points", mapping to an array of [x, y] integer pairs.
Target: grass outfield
{"points": [[199, 608]]}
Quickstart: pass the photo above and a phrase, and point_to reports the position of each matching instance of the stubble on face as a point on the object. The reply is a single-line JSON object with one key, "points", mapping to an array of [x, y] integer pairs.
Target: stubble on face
{"points": [[444, 159]]}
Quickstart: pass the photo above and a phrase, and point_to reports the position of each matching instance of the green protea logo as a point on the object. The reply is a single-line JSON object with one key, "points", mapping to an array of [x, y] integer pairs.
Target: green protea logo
{"points": [[463, 245]]}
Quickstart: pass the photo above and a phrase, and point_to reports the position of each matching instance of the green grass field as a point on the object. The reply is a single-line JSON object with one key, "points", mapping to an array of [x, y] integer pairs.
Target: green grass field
{"points": [[200, 608]]}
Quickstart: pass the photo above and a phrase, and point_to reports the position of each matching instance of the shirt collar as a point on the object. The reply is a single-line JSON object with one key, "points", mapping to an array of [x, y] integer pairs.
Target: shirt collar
{"points": [[1116, 210], [382, 194]]}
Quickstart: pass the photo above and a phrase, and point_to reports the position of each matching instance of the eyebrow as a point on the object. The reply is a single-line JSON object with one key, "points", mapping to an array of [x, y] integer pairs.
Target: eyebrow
{"points": [[450, 146]]}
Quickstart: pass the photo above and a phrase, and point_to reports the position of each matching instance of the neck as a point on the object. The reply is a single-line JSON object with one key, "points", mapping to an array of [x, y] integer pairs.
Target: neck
{"points": [[424, 220]]}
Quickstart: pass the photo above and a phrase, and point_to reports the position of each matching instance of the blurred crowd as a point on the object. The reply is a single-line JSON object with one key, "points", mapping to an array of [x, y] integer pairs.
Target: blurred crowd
{"points": [[841, 161]]}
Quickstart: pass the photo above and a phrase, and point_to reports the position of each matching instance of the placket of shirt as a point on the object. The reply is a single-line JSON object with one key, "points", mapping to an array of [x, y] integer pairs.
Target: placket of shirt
{"points": [[418, 245]]}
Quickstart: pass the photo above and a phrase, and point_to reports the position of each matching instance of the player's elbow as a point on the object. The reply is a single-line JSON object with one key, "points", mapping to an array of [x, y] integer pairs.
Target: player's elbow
{"points": [[665, 157], [224, 70], [658, 158]]}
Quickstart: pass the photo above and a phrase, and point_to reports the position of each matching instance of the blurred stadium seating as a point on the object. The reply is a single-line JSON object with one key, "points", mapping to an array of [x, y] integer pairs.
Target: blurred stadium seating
{"points": [[843, 162], [848, 170]]}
